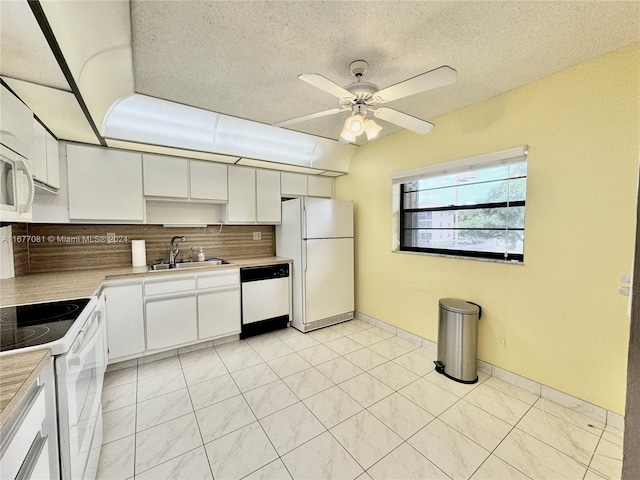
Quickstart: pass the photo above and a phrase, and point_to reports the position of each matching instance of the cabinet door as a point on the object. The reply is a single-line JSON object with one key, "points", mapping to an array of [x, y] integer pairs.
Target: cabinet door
{"points": [[293, 184], [125, 320], [53, 161], [39, 152], [241, 207], [171, 320], [320, 186], [208, 181], [17, 442], [166, 176], [219, 312], [16, 124], [268, 197], [104, 184]]}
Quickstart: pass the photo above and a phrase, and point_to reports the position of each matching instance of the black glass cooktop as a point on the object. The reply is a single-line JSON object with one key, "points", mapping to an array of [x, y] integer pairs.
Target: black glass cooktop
{"points": [[30, 325]]}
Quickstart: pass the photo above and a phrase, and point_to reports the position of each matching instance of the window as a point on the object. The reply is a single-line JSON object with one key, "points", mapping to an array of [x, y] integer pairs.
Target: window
{"points": [[472, 208]]}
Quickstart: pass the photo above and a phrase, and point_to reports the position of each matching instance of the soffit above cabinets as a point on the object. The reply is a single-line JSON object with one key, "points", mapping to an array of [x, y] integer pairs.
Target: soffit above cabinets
{"points": [[95, 39], [26, 54], [60, 53], [57, 109], [174, 152], [249, 162]]}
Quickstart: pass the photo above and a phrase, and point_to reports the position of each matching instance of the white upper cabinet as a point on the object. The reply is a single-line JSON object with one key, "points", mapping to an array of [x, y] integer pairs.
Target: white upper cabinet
{"points": [[318, 186], [176, 177], [39, 152], [293, 184], [241, 206], [268, 208], [53, 161], [166, 176], [104, 184], [254, 196], [16, 124], [301, 185], [208, 181], [45, 162]]}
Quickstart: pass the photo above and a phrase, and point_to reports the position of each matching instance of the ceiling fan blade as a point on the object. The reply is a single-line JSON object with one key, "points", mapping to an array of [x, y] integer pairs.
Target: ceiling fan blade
{"points": [[403, 120], [438, 77], [325, 84], [324, 113]]}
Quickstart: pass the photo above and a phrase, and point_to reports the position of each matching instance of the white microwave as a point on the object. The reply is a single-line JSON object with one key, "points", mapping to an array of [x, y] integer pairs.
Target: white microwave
{"points": [[16, 187]]}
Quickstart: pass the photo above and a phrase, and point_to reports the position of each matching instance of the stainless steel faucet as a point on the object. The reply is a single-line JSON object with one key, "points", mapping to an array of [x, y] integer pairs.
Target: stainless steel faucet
{"points": [[173, 249]]}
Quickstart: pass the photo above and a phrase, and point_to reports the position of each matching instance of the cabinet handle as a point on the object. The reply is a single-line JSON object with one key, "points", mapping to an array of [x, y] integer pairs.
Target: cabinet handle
{"points": [[33, 455], [171, 296]]}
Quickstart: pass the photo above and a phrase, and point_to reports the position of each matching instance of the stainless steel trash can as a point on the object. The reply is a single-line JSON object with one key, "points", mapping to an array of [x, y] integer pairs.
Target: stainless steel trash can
{"points": [[458, 340]]}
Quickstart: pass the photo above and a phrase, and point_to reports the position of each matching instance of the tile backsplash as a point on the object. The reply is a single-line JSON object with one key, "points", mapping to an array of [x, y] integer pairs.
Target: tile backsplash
{"points": [[55, 247]]}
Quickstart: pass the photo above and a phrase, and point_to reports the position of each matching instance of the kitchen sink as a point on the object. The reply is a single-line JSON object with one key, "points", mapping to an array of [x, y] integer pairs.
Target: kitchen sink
{"points": [[159, 266], [187, 265]]}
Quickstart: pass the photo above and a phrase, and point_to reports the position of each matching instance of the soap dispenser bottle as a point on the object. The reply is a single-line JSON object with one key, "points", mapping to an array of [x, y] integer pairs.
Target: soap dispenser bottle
{"points": [[201, 255]]}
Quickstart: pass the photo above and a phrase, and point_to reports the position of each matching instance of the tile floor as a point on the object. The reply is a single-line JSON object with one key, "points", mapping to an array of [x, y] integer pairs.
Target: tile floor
{"points": [[348, 401]]}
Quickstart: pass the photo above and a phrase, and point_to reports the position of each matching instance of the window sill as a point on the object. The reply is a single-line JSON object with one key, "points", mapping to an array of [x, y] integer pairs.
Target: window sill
{"points": [[460, 257]]}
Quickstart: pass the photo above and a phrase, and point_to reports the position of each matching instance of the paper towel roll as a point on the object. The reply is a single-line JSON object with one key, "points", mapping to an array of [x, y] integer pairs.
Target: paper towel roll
{"points": [[138, 253]]}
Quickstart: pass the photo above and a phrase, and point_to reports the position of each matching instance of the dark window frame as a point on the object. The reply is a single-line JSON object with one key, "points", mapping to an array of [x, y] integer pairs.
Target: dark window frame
{"points": [[453, 252]]}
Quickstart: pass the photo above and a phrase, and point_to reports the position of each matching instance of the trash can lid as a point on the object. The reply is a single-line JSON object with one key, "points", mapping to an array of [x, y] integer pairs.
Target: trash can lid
{"points": [[459, 306]]}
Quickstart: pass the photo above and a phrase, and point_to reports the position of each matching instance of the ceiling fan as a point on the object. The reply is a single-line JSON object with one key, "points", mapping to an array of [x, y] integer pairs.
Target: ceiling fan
{"points": [[361, 97]]}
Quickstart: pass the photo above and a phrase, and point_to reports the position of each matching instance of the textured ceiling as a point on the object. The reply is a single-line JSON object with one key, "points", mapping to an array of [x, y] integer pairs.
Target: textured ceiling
{"points": [[242, 58]]}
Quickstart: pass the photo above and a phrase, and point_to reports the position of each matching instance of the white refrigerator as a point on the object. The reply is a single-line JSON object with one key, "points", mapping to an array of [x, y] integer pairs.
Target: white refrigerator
{"points": [[317, 234]]}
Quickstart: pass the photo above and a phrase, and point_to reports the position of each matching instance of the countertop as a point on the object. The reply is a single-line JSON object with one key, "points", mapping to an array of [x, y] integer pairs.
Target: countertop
{"points": [[18, 373], [49, 287]]}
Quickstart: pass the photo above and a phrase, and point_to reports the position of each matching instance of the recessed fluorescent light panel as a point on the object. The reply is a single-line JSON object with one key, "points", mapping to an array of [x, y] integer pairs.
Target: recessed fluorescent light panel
{"points": [[142, 119]]}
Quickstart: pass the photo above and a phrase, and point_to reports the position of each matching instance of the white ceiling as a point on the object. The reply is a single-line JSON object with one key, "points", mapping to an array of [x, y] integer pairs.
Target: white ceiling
{"points": [[242, 58]]}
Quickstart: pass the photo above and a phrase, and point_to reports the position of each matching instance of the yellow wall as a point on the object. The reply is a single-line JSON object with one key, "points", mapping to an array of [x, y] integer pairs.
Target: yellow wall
{"points": [[558, 319]]}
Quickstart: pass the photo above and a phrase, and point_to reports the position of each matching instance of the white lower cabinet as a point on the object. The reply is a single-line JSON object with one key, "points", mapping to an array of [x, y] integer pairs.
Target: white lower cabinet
{"points": [[171, 320], [219, 304], [29, 437], [160, 311], [125, 319]]}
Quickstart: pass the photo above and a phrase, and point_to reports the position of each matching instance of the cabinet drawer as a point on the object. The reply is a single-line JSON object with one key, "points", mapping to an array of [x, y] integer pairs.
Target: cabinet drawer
{"points": [[164, 286], [219, 279], [18, 437]]}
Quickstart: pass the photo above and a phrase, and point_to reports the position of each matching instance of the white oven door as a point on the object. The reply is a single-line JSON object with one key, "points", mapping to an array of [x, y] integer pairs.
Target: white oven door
{"points": [[80, 374]]}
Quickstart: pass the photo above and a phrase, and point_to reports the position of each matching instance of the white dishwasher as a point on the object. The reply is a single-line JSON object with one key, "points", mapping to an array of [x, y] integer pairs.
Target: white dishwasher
{"points": [[266, 298]]}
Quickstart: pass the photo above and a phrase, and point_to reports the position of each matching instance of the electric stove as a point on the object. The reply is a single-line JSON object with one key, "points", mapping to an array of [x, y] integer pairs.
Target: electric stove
{"points": [[41, 324]]}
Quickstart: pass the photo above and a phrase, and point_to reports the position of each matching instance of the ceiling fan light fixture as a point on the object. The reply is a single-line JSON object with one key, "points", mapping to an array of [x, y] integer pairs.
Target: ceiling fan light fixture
{"points": [[355, 124], [371, 128], [347, 135]]}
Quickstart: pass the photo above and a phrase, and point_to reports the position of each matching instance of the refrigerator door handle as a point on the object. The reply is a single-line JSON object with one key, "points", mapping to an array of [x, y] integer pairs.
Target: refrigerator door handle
{"points": [[304, 221]]}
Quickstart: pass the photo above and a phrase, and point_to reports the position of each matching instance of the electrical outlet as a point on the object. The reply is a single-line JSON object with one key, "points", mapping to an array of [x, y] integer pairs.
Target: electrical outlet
{"points": [[111, 238], [257, 235]]}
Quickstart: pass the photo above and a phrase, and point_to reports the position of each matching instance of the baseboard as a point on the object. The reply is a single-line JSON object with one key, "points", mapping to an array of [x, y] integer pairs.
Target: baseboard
{"points": [[573, 403]]}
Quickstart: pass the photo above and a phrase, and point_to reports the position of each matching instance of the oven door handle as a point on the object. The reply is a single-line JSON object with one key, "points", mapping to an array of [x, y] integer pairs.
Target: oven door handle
{"points": [[82, 345]]}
